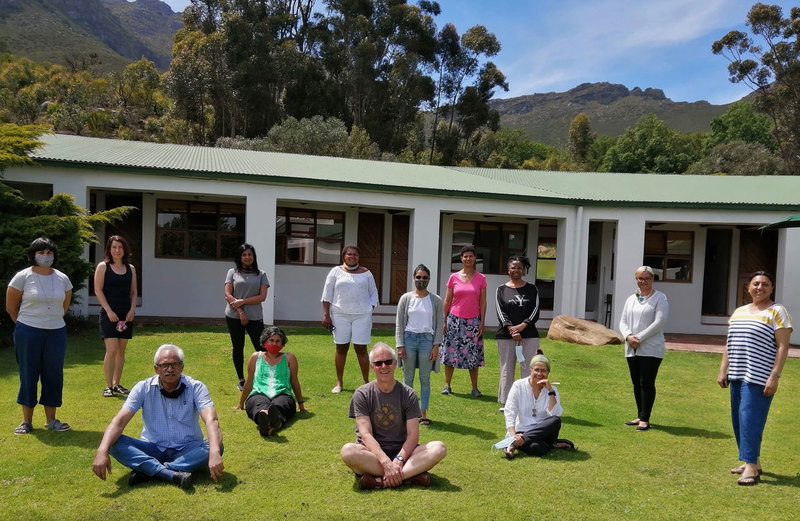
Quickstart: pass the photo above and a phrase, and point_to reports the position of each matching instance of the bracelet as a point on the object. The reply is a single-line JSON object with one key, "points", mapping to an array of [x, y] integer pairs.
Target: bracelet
{"points": [[551, 393], [301, 401], [775, 374]]}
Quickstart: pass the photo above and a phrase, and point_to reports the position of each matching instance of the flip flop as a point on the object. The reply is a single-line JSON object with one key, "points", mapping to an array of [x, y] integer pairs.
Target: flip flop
{"points": [[633, 422], [424, 421], [740, 470], [748, 481]]}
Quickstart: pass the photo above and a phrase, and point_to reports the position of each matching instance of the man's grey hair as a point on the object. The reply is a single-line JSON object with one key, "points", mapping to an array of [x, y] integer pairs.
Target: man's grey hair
{"points": [[385, 346], [163, 348]]}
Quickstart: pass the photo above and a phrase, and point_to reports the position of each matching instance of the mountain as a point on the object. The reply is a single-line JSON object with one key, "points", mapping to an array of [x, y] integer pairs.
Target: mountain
{"points": [[611, 108], [116, 30]]}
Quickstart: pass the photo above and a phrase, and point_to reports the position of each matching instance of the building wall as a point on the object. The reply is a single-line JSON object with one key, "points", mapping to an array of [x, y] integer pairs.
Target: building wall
{"points": [[191, 288]]}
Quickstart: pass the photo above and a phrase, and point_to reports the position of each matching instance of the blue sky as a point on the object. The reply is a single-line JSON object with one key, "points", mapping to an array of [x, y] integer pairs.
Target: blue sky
{"points": [[555, 45]]}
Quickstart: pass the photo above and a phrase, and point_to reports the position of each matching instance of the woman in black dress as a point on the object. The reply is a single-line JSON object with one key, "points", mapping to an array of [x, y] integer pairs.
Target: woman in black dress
{"points": [[115, 288]]}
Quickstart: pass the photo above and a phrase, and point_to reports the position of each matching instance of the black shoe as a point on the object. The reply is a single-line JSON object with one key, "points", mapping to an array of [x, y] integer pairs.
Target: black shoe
{"points": [[137, 478], [275, 420], [182, 479]]}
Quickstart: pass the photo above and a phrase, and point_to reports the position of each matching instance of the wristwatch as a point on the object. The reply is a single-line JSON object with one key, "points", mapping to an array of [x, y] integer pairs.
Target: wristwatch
{"points": [[400, 458]]}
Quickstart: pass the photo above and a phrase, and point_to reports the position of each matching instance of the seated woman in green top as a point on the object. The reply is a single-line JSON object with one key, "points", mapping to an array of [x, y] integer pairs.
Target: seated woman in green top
{"points": [[269, 392]]}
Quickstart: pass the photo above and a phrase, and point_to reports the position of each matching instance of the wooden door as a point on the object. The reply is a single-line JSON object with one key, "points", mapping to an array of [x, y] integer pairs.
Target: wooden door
{"points": [[757, 251], [400, 276], [370, 242]]}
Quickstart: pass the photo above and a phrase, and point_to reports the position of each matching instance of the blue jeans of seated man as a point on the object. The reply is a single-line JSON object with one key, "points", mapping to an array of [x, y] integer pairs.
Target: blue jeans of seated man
{"points": [[146, 457], [749, 408], [418, 351]]}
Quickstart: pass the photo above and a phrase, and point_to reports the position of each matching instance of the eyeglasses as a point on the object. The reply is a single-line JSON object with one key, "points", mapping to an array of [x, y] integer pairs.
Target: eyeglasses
{"points": [[421, 278], [381, 363], [169, 365], [644, 279]]}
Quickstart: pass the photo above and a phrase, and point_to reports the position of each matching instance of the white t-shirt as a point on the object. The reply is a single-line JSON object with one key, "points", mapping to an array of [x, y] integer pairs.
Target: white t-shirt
{"points": [[420, 315], [42, 304]]}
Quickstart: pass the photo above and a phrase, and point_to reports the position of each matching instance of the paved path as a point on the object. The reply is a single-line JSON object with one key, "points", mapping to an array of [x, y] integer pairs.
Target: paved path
{"points": [[705, 344]]}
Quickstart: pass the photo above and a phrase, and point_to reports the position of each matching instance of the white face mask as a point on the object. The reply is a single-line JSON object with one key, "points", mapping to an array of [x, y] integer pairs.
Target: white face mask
{"points": [[43, 260]]}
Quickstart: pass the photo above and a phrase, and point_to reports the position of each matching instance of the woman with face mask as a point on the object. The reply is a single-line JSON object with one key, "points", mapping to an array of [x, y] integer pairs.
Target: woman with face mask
{"points": [[271, 391], [37, 299], [418, 335]]}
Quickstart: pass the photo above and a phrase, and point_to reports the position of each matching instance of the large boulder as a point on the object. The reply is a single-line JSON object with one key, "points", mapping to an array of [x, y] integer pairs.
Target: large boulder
{"points": [[580, 331]]}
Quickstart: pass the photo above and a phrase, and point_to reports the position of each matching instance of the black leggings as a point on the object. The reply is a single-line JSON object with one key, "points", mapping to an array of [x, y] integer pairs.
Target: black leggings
{"points": [[237, 330], [644, 370]]}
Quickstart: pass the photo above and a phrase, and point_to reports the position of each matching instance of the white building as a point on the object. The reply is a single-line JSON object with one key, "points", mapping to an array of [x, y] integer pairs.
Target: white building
{"points": [[585, 233]]}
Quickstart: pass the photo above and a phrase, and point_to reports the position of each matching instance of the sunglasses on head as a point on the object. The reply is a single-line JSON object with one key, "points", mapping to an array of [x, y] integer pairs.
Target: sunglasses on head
{"points": [[381, 363]]}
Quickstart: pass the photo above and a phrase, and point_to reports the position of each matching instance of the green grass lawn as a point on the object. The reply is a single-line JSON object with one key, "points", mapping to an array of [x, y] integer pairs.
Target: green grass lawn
{"points": [[677, 470]]}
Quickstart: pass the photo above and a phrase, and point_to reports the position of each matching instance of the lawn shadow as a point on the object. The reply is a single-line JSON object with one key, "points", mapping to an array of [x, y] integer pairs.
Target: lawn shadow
{"points": [[226, 483], [458, 428], [438, 484], [555, 455], [570, 420], [72, 437], [675, 430], [778, 480]]}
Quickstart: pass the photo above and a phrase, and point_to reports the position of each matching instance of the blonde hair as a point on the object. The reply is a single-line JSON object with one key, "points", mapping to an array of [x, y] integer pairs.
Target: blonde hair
{"points": [[642, 269]]}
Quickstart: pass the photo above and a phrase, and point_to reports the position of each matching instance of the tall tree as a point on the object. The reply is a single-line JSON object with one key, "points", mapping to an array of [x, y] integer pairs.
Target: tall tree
{"points": [[459, 60], [580, 138], [771, 68], [741, 122], [375, 53], [651, 147]]}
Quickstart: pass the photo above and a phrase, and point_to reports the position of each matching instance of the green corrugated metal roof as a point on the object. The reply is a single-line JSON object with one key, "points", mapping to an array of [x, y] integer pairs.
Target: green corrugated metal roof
{"points": [[588, 188]]}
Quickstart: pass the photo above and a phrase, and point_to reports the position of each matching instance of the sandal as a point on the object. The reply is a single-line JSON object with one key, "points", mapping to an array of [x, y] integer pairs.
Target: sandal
{"points": [[510, 452], [108, 392], [740, 470], [563, 443], [24, 428], [748, 481], [424, 421], [120, 389], [58, 426]]}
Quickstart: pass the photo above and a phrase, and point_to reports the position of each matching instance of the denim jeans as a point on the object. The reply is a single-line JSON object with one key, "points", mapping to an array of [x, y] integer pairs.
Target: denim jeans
{"points": [[418, 351], [749, 408], [40, 354], [146, 457]]}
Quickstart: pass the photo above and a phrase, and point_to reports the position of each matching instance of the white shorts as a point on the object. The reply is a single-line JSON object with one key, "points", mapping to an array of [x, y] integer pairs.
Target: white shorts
{"points": [[355, 328]]}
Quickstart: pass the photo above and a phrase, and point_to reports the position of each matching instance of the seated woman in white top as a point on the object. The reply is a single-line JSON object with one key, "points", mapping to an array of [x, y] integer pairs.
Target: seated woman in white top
{"points": [[533, 413]]}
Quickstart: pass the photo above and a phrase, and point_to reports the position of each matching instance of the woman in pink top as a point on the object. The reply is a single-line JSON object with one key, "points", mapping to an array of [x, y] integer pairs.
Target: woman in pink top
{"points": [[464, 318]]}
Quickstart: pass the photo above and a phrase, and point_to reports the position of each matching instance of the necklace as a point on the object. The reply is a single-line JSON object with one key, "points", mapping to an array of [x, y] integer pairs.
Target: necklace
{"points": [[48, 298], [353, 268]]}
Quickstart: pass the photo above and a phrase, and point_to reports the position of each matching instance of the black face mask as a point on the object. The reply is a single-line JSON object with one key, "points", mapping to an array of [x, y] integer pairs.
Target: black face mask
{"points": [[173, 394]]}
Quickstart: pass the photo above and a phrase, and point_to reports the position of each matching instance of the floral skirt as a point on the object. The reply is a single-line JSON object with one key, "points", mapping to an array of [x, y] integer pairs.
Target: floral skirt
{"points": [[462, 347]]}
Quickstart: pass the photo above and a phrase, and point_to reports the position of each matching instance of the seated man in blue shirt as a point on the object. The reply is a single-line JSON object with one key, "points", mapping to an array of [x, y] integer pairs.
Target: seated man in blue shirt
{"points": [[171, 446]]}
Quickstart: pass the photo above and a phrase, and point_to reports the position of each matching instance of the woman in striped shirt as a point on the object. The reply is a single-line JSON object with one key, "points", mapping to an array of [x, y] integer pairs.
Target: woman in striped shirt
{"points": [[758, 344]]}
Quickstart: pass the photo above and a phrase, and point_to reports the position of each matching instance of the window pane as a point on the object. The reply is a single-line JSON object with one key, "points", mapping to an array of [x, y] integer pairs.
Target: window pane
{"points": [[654, 243], [301, 224], [229, 243], [547, 250], [175, 221], [455, 258], [330, 225], [679, 243], [678, 269], [203, 217], [203, 245], [488, 260], [300, 251], [463, 234], [328, 252], [545, 269], [514, 236], [489, 235], [231, 218], [280, 224], [171, 244], [655, 262]]}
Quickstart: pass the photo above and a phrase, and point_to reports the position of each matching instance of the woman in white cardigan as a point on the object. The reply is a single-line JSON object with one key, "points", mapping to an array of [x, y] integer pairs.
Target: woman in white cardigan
{"points": [[418, 335], [642, 325]]}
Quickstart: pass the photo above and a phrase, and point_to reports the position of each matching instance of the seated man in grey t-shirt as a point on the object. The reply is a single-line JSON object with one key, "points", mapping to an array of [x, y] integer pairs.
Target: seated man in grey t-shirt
{"points": [[387, 452]]}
